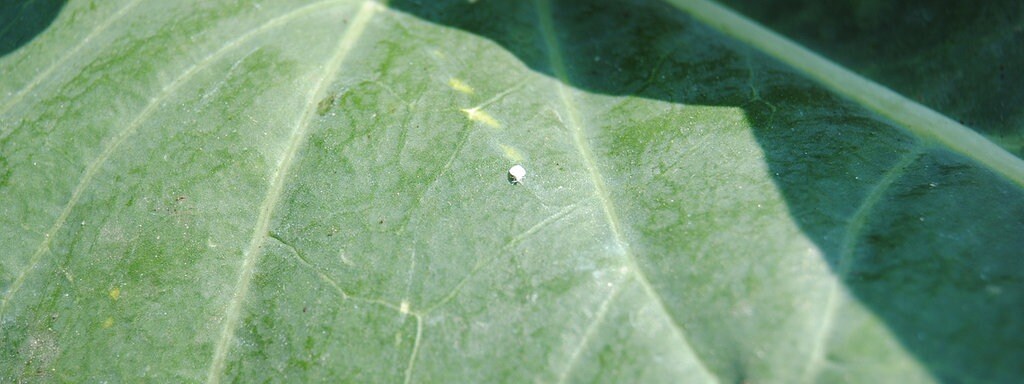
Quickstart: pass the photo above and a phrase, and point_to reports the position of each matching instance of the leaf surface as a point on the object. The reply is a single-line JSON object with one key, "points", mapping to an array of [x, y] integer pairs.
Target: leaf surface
{"points": [[319, 192], [957, 57]]}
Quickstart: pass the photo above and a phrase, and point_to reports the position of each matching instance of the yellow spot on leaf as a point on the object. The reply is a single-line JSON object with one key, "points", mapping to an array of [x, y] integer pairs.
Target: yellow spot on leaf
{"points": [[511, 153], [115, 293], [404, 307], [109, 322], [481, 117], [460, 86]]}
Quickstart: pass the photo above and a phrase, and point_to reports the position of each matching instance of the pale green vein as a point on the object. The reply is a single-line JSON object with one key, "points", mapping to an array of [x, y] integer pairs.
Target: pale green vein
{"points": [[112, 145], [45, 74], [755, 95], [415, 349], [308, 265], [464, 136], [305, 263], [930, 126], [401, 309], [848, 246], [500, 95], [277, 179], [511, 243], [412, 271], [588, 333], [860, 217], [575, 123]]}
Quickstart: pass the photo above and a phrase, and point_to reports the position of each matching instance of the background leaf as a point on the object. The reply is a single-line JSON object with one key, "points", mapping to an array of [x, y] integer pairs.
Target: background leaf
{"points": [[955, 56], [309, 192], [20, 21]]}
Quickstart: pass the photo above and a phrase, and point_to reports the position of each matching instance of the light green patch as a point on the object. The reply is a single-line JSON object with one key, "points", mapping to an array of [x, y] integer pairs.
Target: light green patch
{"points": [[460, 86], [481, 116], [511, 153]]}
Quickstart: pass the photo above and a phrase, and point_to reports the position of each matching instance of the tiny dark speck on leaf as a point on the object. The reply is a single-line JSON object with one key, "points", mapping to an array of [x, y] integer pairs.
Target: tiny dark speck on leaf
{"points": [[325, 105], [381, 221], [304, 309]]}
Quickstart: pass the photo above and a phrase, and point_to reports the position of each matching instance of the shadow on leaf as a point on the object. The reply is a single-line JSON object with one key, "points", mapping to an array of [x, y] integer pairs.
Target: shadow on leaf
{"points": [[925, 240], [21, 21]]}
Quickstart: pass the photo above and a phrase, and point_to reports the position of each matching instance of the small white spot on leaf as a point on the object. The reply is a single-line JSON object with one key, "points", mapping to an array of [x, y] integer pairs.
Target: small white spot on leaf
{"points": [[516, 174]]}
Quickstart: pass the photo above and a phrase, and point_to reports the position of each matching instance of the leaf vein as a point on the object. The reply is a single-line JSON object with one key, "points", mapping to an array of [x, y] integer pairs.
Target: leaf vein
{"points": [[415, 348], [848, 246], [511, 243], [931, 127], [302, 260], [93, 168], [269, 204], [576, 127], [308, 265], [45, 74], [588, 334]]}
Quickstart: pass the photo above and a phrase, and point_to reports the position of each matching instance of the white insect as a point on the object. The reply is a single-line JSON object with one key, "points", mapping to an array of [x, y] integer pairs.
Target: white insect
{"points": [[516, 174]]}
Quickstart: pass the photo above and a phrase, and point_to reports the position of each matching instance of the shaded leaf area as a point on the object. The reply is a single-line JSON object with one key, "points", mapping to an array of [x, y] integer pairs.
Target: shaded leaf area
{"points": [[20, 21], [958, 57], [692, 211]]}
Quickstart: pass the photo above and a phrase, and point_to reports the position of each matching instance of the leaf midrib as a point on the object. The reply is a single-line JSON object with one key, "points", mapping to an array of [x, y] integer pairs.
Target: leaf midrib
{"points": [[933, 128], [543, 9]]}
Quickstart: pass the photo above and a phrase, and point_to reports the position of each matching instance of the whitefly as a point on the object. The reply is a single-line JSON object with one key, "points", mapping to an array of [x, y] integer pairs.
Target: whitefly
{"points": [[516, 174]]}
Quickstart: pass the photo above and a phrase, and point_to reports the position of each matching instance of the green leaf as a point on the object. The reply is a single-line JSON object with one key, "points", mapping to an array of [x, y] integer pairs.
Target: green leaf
{"points": [[319, 192], [957, 57]]}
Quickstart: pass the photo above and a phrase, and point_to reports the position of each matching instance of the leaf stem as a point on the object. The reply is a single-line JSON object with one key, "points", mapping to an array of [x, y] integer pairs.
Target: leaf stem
{"points": [[933, 128]]}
